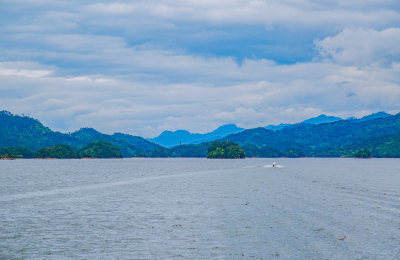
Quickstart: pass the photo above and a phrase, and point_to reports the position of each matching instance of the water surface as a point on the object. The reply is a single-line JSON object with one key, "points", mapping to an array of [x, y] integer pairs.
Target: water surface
{"points": [[200, 209]]}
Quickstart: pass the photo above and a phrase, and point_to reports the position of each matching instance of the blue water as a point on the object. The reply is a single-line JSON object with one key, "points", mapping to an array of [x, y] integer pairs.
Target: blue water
{"points": [[200, 209]]}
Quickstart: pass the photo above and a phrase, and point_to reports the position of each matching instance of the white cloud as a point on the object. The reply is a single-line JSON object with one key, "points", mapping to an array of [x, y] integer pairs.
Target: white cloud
{"points": [[128, 66], [271, 94], [13, 69], [362, 46], [110, 9], [269, 13]]}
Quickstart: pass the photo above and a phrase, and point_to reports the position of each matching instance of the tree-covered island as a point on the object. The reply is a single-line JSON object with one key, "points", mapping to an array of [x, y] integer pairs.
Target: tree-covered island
{"points": [[225, 150], [363, 153]]}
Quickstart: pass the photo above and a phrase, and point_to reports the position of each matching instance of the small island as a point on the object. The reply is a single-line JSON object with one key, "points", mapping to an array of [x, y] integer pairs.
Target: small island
{"points": [[225, 150], [363, 153], [8, 156]]}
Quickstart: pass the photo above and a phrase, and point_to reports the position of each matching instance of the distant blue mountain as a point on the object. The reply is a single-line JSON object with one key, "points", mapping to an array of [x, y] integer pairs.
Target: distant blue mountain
{"points": [[371, 116], [321, 119], [374, 116], [277, 127], [315, 121], [328, 119], [171, 139]]}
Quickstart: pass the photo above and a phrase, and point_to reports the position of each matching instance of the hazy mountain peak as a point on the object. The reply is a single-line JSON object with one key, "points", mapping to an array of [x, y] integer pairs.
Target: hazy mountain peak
{"points": [[87, 130], [168, 133], [5, 113], [314, 121], [170, 139], [322, 119], [229, 128], [380, 114], [277, 127]]}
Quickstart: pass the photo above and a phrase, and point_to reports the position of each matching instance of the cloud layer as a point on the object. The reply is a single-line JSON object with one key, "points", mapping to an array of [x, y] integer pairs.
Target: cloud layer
{"points": [[146, 66]]}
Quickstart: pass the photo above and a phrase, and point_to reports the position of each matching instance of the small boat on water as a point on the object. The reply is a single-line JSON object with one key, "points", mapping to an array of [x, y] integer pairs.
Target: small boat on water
{"points": [[273, 165]]}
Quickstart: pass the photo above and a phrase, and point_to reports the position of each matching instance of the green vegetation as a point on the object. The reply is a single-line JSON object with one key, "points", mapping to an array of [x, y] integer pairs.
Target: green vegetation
{"points": [[387, 147], [225, 150], [262, 151], [363, 153], [9, 156], [294, 153], [160, 152], [100, 149], [59, 151], [96, 149], [23, 131], [25, 137], [190, 150], [381, 136], [16, 152]]}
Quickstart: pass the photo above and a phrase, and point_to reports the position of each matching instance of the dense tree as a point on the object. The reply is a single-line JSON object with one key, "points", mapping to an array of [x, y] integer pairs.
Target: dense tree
{"points": [[160, 152], [17, 152], [100, 149], [294, 153], [388, 146], [59, 151], [363, 153], [263, 151], [190, 150], [9, 156], [225, 150]]}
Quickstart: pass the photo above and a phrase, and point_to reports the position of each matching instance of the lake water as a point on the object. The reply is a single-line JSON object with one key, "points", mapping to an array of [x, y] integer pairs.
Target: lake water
{"points": [[200, 209]]}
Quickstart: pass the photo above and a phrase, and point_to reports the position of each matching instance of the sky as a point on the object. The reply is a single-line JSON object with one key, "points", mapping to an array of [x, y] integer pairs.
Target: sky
{"points": [[142, 67]]}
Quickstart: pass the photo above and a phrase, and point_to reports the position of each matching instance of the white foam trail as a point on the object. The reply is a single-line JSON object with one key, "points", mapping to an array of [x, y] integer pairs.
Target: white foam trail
{"points": [[88, 187], [272, 166]]}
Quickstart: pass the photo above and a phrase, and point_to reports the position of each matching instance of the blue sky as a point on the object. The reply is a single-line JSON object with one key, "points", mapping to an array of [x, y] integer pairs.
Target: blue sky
{"points": [[141, 67]]}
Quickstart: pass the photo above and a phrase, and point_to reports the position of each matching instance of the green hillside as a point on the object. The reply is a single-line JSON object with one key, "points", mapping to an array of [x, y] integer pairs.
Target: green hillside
{"points": [[23, 131], [22, 136], [340, 138]]}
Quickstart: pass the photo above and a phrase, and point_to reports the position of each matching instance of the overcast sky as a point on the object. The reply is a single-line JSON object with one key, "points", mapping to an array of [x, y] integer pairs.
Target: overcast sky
{"points": [[141, 67]]}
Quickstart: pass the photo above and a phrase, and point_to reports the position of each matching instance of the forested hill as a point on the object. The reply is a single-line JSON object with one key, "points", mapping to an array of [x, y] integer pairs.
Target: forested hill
{"points": [[327, 119], [340, 138], [27, 132], [379, 135]]}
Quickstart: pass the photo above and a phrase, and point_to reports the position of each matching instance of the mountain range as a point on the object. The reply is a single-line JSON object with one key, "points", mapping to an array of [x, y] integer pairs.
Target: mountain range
{"points": [[379, 134], [171, 139], [327, 119], [24, 131], [323, 136]]}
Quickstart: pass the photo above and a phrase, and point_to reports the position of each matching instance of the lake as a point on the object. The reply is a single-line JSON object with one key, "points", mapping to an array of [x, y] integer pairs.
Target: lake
{"points": [[200, 209]]}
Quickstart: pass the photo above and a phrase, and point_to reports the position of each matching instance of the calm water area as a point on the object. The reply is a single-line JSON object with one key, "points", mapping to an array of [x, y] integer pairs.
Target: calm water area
{"points": [[200, 209]]}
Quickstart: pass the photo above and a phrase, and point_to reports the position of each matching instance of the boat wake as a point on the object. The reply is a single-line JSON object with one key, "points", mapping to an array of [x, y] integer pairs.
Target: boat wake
{"points": [[265, 166], [274, 165], [67, 190]]}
